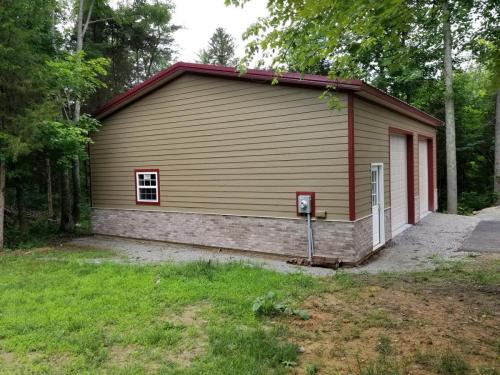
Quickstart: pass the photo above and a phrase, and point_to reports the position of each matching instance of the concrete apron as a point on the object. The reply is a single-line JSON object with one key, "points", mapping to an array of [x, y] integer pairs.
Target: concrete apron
{"points": [[484, 238]]}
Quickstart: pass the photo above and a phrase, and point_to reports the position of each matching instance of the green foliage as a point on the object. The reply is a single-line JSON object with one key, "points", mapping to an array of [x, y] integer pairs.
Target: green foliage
{"points": [[471, 201], [40, 232], [26, 40], [73, 78], [220, 49], [268, 305], [41, 229], [63, 141]]}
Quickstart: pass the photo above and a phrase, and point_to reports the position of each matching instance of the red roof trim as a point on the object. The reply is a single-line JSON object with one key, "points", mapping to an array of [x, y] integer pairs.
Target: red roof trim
{"points": [[297, 79]]}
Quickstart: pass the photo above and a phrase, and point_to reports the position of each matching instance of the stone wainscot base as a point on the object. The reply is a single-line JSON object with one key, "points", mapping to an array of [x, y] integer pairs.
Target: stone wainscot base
{"points": [[348, 241]]}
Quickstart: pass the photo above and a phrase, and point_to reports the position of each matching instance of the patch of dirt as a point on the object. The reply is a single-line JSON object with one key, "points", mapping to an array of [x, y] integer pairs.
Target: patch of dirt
{"points": [[346, 328], [191, 316], [121, 355], [195, 339], [7, 358]]}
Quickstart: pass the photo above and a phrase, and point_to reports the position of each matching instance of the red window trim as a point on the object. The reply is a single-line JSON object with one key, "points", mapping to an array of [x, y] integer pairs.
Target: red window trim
{"points": [[137, 201]]}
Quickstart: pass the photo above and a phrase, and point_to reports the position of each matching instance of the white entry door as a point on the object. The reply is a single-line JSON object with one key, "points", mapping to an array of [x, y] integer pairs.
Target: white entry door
{"points": [[399, 184], [423, 178], [377, 176]]}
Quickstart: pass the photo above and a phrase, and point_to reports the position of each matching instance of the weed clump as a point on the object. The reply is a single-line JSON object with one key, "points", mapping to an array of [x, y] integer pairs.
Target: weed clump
{"points": [[268, 305]]}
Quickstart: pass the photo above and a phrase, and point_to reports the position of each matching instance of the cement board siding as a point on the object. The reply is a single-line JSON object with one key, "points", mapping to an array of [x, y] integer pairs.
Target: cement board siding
{"points": [[225, 146], [371, 145]]}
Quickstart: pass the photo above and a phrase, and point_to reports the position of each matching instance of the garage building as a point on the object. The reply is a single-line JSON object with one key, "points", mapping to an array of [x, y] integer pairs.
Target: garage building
{"points": [[204, 155]]}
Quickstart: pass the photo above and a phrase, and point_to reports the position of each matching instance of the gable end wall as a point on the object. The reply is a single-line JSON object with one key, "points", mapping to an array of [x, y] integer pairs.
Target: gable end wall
{"points": [[225, 147]]}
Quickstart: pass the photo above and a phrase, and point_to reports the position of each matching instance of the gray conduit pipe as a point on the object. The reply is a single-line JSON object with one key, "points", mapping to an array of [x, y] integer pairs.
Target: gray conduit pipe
{"points": [[310, 239]]}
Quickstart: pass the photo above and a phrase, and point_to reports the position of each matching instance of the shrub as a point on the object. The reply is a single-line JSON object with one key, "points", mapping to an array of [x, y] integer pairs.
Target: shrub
{"points": [[471, 201]]}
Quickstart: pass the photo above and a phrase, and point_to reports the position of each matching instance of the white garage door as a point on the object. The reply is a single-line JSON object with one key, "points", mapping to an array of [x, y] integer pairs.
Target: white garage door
{"points": [[423, 179], [399, 188]]}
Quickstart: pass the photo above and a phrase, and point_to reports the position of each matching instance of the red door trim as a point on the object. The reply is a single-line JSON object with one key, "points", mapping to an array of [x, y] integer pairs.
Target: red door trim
{"points": [[350, 156]]}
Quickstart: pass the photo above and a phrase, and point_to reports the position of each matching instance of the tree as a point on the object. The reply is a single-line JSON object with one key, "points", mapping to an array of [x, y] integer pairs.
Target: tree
{"points": [[26, 40], [449, 105], [368, 39], [220, 50], [486, 46], [149, 32], [137, 37], [496, 174], [81, 29], [71, 80]]}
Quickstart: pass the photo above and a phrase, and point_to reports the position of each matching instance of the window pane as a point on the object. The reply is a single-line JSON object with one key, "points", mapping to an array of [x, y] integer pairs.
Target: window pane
{"points": [[148, 194]]}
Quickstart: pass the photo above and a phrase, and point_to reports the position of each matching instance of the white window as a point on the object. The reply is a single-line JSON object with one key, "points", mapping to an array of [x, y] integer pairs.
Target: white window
{"points": [[147, 186]]}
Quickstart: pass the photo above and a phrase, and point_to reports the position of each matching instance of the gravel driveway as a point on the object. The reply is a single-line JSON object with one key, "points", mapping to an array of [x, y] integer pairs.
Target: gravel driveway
{"points": [[151, 252], [437, 235]]}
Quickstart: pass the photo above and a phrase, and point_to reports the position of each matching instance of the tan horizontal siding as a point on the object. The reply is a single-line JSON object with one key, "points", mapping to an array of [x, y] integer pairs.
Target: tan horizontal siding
{"points": [[225, 146], [264, 161], [248, 142], [270, 119], [371, 132], [256, 131], [295, 145]]}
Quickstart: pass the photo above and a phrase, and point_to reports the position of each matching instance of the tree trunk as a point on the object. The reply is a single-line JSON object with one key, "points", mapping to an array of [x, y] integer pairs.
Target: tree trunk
{"points": [[67, 222], [2, 200], [75, 175], [21, 220], [50, 199], [449, 105], [87, 180], [76, 189], [79, 27], [497, 149]]}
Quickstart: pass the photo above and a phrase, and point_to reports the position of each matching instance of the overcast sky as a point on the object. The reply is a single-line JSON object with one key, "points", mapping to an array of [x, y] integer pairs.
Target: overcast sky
{"points": [[200, 18]]}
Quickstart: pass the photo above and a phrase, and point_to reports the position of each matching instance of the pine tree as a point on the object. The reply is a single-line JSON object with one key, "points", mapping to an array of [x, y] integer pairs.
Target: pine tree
{"points": [[220, 49]]}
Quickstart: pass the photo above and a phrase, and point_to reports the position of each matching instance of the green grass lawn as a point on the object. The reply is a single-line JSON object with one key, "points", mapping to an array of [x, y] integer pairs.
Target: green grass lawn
{"points": [[88, 311], [61, 312]]}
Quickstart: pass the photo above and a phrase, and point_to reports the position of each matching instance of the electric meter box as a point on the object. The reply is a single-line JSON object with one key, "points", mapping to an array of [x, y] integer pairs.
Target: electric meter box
{"points": [[305, 202]]}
